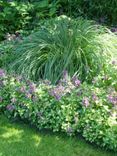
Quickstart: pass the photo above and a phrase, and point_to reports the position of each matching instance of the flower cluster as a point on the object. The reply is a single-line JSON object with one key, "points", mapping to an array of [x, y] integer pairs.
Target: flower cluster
{"points": [[85, 101], [57, 92], [76, 81], [65, 85], [2, 73], [113, 98], [85, 108]]}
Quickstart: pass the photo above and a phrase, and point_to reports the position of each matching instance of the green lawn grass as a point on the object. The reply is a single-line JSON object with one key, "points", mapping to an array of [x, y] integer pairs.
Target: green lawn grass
{"points": [[18, 139]]}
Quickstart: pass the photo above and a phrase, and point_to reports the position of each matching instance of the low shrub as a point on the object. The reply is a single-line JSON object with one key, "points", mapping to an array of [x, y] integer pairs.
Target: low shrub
{"points": [[98, 126], [70, 106], [108, 77]]}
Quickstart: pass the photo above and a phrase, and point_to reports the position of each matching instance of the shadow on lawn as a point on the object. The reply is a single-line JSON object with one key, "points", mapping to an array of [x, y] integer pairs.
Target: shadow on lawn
{"points": [[21, 140]]}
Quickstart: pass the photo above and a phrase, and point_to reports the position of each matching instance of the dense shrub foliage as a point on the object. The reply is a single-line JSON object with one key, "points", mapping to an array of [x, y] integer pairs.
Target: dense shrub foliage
{"points": [[77, 46], [7, 54], [13, 17], [70, 106], [103, 11], [18, 15], [22, 15]]}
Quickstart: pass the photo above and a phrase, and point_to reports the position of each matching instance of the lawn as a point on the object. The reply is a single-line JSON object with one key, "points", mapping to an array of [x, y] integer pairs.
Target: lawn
{"points": [[18, 139]]}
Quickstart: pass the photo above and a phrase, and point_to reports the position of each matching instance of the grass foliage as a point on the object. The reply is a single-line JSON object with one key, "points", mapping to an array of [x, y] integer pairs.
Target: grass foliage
{"points": [[77, 46], [17, 139]]}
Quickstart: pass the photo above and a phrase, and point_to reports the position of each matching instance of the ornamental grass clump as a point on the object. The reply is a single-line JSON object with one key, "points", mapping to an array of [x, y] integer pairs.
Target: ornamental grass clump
{"points": [[78, 46]]}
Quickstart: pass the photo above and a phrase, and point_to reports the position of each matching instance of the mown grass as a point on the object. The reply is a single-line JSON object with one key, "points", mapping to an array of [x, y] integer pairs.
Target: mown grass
{"points": [[18, 139]]}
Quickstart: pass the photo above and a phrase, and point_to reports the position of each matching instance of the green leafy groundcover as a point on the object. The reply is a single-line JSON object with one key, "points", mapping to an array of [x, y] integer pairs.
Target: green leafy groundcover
{"points": [[70, 106]]}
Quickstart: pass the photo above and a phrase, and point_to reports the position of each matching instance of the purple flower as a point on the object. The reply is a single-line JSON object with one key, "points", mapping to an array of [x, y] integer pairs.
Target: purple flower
{"points": [[85, 101], [32, 88], [114, 29], [94, 97], [112, 99], [75, 81], [10, 107], [57, 92], [58, 97], [2, 73], [23, 89], [114, 62]]}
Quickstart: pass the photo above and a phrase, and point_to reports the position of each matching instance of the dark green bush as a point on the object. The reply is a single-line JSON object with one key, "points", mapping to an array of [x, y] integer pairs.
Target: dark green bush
{"points": [[22, 15], [103, 11], [7, 55], [26, 14], [13, 17]]}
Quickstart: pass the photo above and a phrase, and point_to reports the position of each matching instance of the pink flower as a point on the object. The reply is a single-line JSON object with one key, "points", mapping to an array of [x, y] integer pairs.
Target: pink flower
{"points": [[94, 97], [23, 89], [2, 73], [85, 101], [76, 81]]}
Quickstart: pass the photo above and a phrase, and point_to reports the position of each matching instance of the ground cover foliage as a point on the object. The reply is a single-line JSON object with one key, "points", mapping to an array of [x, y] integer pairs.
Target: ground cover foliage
{"points": [[70, 106]]}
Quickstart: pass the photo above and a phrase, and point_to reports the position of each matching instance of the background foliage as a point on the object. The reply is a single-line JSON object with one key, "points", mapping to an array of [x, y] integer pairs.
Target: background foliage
{"points": [[103, 11], [17, 15]]}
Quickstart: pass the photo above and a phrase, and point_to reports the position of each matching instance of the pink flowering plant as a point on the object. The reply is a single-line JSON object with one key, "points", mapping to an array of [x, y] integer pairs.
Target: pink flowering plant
{"points": [[108, 77], [70, 106]]}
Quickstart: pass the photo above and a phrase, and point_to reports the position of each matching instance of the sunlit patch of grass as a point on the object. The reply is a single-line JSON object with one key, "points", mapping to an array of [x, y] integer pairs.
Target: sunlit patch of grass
{"points": [[18, 139]]}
